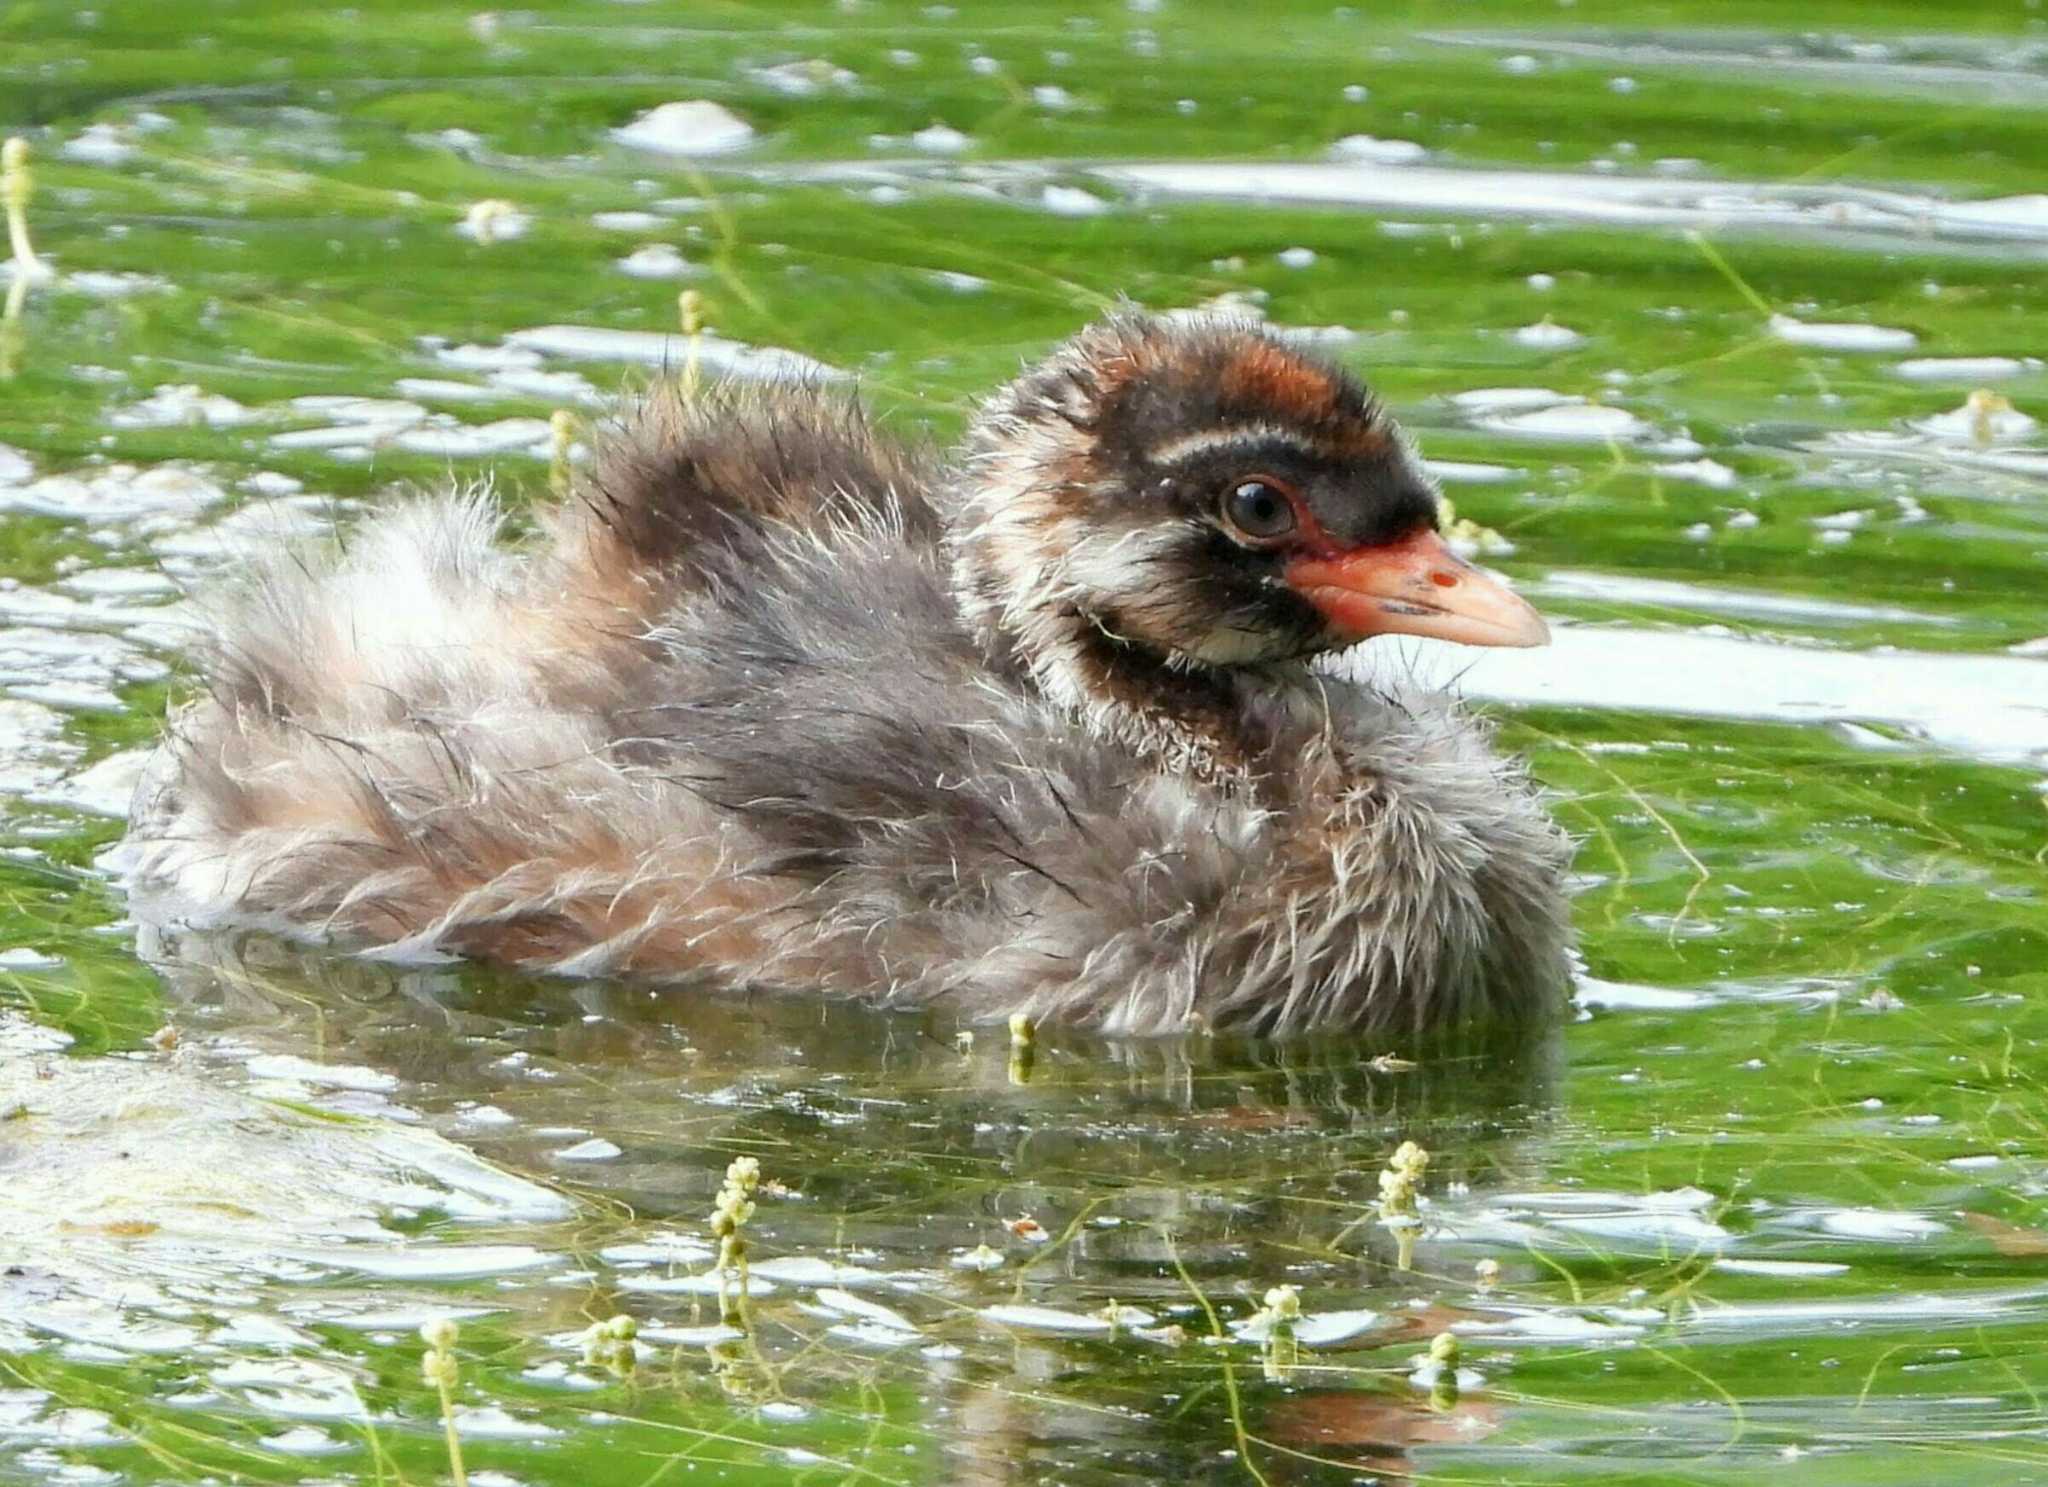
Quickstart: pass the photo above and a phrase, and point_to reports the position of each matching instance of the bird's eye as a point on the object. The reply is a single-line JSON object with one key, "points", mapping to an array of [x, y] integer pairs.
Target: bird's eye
{"points": [[1259, 508]]}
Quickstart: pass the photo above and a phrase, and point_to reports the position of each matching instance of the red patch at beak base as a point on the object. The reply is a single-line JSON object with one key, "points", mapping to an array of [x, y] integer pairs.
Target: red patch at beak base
{"points": [[1415, 586]]}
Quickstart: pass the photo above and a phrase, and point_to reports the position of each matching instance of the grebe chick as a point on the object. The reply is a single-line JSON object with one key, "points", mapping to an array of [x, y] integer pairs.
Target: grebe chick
{"points": [[777, 701]]}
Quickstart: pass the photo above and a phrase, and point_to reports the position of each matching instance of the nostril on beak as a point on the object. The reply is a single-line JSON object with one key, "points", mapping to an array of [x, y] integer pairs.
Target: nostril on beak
{"points": [[1443, 578]]}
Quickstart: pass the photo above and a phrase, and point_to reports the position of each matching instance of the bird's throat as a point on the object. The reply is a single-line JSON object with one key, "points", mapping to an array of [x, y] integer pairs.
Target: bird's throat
{"points": [[1192, 719], [1181, 715]]}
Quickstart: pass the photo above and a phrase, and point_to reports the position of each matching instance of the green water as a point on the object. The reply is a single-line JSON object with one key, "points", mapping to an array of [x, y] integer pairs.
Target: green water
{"points": [[1773, 1200]]}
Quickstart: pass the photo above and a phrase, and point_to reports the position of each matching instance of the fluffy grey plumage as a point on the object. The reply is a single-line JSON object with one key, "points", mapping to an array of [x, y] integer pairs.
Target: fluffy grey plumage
{"points": [[781, 702]]}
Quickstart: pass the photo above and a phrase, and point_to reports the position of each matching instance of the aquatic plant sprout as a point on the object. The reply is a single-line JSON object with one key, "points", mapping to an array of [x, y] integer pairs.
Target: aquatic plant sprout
{"points": [[25, 269], [1400, 1201], [729, 1216], [562, 443], [16, 187], [690, 311], [610, 1344], [440, 1369], [1023, 1047], [1276, 1320]]}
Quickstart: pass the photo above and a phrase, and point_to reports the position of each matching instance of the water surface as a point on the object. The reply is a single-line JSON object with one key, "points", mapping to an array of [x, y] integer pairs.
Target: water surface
{"points": [[1720, 325]]}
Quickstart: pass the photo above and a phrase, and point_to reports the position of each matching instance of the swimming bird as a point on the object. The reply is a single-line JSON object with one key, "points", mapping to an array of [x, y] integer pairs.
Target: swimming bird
{"points": [[1054, 724]]}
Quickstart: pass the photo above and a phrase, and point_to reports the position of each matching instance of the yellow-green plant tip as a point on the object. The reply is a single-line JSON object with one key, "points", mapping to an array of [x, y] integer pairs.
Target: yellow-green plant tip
{"points": [[485, 218], [1444, 1349], [439, 1333], [1022, 1029], [1983, 406], [14, 175], [15, 183], [562, 425]]}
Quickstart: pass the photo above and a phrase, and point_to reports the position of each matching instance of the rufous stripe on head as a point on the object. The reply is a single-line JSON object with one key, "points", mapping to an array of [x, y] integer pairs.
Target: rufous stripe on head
{"points": [[1265, 376], [1270, 376]]}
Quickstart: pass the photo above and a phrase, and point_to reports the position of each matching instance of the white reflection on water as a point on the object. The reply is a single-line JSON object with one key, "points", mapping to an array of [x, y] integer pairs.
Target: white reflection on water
{"points": [[1989, 707]]}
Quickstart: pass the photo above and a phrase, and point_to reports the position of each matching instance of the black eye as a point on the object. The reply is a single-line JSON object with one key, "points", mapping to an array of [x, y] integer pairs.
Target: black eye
{"points": [[1259, 509]]}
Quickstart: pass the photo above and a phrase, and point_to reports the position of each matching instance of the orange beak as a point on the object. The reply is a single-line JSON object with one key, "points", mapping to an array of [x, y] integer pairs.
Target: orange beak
{"points": [[1415, 586]]}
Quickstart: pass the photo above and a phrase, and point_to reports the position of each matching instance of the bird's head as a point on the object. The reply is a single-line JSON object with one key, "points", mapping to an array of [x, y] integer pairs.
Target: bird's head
{"points": [[1205, 495]]}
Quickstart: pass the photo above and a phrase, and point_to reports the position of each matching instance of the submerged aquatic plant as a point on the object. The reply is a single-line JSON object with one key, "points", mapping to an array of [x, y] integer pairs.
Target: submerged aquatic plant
{"points": [[16, 186], [438, 1367], [729, 1214], [742, 1373], [492, 220], [610, 1344], [1398, 1206], [1465, 532], [1440, 1370], [690, 312], [1984, 406], [981, 1257], [562, 440], [1444, 1350], [1277, 1319], [1023, 1047]]}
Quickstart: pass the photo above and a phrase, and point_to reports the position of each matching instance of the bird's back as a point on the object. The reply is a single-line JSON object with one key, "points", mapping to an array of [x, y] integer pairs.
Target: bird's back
{"points": [[681, 482], [438, 736]]}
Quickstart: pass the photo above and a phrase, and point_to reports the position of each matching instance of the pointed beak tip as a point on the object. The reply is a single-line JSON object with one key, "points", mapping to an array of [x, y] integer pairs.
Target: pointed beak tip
{"points": [[1418, 586], [1535, 632]]}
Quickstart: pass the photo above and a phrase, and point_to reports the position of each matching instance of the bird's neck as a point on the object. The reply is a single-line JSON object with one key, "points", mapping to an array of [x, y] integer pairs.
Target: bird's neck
{"points": [[1017, 598], [1190, 718], [1183, 718]]}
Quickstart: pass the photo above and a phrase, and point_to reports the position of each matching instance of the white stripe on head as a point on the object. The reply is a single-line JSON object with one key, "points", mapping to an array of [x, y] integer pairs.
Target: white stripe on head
{"points": [[1202, 441]]}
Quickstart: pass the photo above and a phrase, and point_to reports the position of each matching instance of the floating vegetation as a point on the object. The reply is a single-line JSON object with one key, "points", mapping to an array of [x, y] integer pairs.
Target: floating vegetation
{"points": [[690, 312], [729, 1216], [981, 1257], [494, 220], [1400, 1185], [1276, 1320], [16, 186], [1468, 537], [440, 1369], [1023, 1047], [1990, 415], [1439, 1371], [561, 446], [610, 1344]]}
